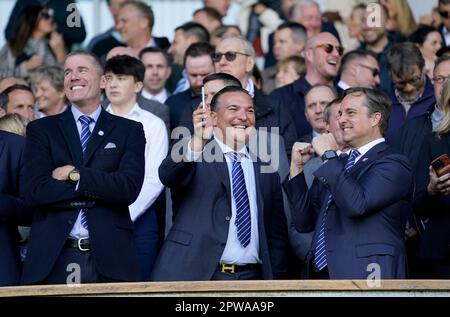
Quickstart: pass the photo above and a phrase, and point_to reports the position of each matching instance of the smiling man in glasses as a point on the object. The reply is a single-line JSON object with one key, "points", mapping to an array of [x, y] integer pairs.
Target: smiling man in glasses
{"points": [[359, 69], [412, 92], [322, 59]]}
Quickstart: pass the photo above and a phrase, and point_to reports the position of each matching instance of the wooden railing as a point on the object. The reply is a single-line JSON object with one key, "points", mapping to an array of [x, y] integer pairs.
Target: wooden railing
{"points": [[241, 288]]}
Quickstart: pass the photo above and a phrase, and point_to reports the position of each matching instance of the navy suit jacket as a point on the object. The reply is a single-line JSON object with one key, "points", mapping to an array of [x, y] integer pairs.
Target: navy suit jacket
{"points": [[366, 220], [201, 196], [110, 180], [12, 208], [435, 242]]}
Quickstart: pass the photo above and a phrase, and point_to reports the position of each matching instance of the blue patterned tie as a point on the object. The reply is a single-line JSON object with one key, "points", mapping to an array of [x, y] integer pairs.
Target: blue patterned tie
{"points": [[243, 220], [320, 256], [84, 138]]}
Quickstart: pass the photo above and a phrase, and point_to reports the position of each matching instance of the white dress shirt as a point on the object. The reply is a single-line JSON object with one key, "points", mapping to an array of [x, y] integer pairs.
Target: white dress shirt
{"points": [[365, 148], [78, 231], [234, 252], [156, 149]]}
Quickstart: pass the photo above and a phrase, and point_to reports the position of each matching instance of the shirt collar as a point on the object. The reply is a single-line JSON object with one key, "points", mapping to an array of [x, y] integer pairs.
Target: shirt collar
{"points": [[135, 110], [226, 149], [77, 113], [343, 85], [250, 88], [366, 147]]}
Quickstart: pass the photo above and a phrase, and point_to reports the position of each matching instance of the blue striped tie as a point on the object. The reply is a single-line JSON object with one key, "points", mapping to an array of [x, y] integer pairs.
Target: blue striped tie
{"points": [[84, 138], [243, 220], [320, 255]]}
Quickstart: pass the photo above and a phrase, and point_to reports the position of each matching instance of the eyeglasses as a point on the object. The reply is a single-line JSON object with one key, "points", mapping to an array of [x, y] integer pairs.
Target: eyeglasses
{"points": [[413, 82], [375, 72], [440, 79], [229, 56], [329, 48], [444, 14], [45, 15]]}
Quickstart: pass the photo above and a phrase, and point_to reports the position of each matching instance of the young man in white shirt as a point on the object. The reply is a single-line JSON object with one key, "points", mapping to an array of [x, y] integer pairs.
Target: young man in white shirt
{"points": [[123, 80]]}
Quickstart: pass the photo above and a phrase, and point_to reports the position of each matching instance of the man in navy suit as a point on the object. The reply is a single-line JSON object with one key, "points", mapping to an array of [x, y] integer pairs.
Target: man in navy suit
{"points": [[83, 168], [12, 207], [359, 203], [229, 221]]}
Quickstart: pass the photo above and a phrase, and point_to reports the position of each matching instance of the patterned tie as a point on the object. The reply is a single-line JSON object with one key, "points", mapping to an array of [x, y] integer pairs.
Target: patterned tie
{"points": [[84, 138], [243, 220], [320, 256]]}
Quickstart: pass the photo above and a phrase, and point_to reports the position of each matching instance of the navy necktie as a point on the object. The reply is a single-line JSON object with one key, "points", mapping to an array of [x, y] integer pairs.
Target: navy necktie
{"points": [[243, 220], [84, 138], [320, 256]]}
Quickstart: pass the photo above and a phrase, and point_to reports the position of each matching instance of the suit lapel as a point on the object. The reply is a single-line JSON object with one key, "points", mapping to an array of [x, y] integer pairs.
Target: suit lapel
{"points": [[222, 169], [259, 182], [102, 128], [68, 127], [367, 159]]}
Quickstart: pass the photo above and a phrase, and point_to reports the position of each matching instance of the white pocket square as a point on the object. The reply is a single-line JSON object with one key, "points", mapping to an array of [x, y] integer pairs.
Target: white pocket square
{"points": [[110, 145]]}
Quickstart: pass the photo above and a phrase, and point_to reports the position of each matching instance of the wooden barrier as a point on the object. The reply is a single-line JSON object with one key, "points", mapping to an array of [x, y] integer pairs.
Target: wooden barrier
{"points": [[340, 288]]}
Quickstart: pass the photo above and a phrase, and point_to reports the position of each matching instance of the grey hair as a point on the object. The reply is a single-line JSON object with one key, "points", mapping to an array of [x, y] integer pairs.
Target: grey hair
{"points": [[302, 3], [247, 45]]}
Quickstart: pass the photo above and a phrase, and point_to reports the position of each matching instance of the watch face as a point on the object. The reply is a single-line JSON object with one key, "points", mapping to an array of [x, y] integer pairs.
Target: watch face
{"points": [[74, 176]]}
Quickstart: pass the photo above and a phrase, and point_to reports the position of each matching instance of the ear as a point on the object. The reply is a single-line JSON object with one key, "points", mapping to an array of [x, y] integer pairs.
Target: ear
{"points": [[309, 55], [249, 65], [2, 112], [214, 118], [138, 86], [375, 119], [103, 82], [300, 46]]}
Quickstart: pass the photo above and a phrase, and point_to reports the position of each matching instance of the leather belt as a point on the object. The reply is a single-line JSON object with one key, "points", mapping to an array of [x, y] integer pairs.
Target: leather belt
{"points": [[234, 268], [82, 244]]}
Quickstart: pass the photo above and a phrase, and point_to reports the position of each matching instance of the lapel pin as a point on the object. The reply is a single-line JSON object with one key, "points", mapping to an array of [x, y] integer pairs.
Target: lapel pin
{"points": [[100, 133]]}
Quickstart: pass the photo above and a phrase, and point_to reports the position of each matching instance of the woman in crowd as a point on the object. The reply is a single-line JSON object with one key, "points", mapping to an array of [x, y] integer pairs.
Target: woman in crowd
{"points": [[432, 203], [401, 18], [289, 70], [429, 41], [35, 43]]}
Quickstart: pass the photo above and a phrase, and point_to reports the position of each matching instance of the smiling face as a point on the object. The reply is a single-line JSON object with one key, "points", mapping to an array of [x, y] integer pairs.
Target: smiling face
{"points": [[325, 64], [432, 44], [234, 119], [48, 97], [358, 127], [82, 80]]}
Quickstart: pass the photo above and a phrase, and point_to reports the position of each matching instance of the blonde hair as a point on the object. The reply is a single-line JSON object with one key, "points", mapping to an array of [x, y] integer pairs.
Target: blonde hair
{"points": [[405, 18], [444, 104], [14, 123]]}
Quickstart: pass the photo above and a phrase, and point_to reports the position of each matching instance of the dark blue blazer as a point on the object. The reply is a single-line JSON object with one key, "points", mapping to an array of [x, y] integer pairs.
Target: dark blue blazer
{"points": [[435, 240], [201, 196], [110, 180], [12, 208], [366, 220]]}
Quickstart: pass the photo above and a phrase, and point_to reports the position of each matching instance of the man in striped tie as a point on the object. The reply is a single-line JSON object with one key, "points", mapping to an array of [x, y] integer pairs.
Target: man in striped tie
{"points": [[358, 203], [83, 168], [229, 221]]}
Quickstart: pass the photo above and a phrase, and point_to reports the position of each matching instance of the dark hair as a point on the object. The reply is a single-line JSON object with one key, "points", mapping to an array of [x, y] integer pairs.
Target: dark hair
{"points": [[420, 34], [126, 65], [402, 57], [23, 28], [376, 101], [154, 50], [144, 9], [228, 79], [216, 99], [194, 29], [212, 13], [298, 31], [326, 110], [443, 58], [351, 56], [198, 49], [4, 96]]}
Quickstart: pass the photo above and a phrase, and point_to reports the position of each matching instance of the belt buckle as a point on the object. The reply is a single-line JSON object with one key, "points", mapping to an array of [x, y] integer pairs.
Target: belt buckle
{"points": [[79, 244], [227, 268]]}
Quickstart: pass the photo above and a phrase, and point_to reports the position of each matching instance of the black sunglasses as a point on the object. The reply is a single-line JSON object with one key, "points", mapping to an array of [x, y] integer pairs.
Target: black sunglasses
{"points": [[444, 14], [329, 48], [45, 15], [375, 72], [229, 56]]}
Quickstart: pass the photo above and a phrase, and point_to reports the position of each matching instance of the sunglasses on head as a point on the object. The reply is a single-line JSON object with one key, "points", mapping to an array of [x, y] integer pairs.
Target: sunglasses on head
{"points": [[444, 14], [45, 15], [329, 48], [375, 72], [229, 56]]}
